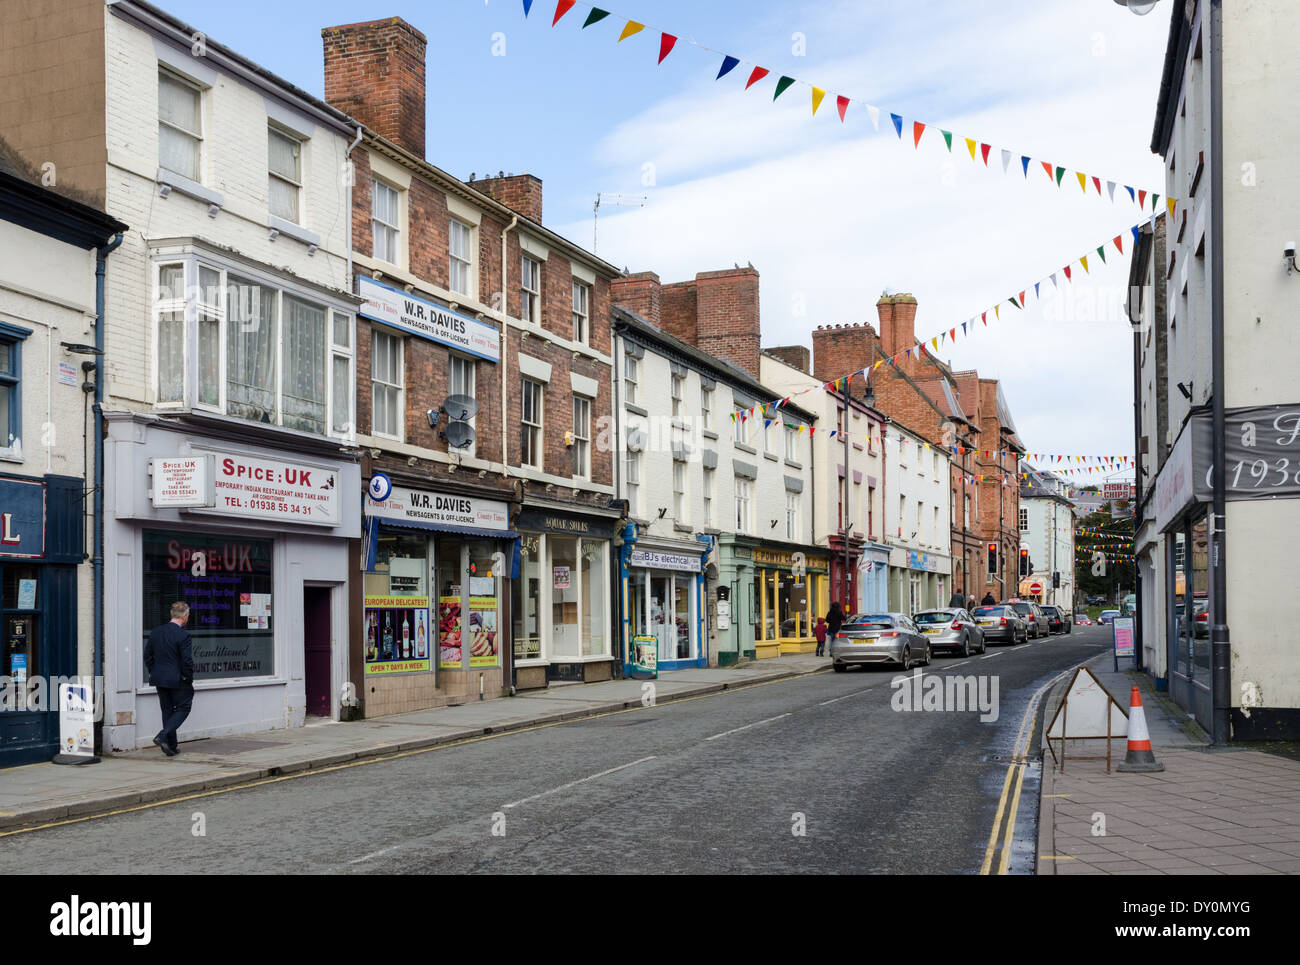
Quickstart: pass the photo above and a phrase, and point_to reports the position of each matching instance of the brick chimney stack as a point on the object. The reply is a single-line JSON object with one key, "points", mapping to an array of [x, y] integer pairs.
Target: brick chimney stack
{"points": [[897, 322], [796, 356], [640, 293], [518, 192], [841, 349], [375, 72], [726, 321]]}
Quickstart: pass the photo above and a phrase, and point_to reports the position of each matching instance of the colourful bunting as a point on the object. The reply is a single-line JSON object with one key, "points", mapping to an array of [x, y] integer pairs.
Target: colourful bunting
{"points": [[842, 104], [917, 129], [1024, 163], [1083, 181], [817, 95], [630, 28], [947, 138], [971, 144], [898, 123], [758, 74], [596, 16], [984, 150], [561, 8], [782, 86], [728, 65], [528, 6], [874, 114], [1060, 173], [666, 42]]}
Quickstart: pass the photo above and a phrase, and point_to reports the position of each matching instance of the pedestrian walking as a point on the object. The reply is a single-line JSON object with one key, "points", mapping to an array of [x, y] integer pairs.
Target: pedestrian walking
{"points": [[170, 662], [970, 602], [819, 632], [988, 599], [958, 598], [834, 619]]}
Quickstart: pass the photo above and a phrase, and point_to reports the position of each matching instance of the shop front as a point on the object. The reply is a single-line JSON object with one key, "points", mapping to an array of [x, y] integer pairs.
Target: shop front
{"points": [[435, 588], [562, 604], [665, 598], [873, 578], [40, 604], [791, 589], [918, 581], [256, 540]]}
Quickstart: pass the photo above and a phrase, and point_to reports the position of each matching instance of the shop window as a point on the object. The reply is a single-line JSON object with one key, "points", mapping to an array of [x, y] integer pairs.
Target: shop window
{"points": [[21, 654], [387, 378], [398, 636], [527, 603], [262, 353], [565, 631], [482, 635], [228, 583], [595, 625], [452, 622]]}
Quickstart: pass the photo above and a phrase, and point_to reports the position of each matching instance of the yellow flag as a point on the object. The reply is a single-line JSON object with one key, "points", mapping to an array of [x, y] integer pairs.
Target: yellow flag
{"points": [[818, 94], [632, 28], [1084, 261], [970, 145], [935, 342], [1083, 181], [1171, 202], [997, 309], [876, 366]]}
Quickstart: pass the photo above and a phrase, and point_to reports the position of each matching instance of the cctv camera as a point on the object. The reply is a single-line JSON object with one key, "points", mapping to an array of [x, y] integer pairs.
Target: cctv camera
{"points": [[1288, 250]]}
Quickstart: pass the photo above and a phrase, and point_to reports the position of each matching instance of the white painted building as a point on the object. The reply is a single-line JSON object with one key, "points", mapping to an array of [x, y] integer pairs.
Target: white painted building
{"points": [[721, 509], [1228, 134], [1047, 531], [917, 520]]}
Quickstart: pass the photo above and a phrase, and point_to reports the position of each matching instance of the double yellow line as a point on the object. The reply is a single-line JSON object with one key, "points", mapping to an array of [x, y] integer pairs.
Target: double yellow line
{"points": [[1016, 770]]}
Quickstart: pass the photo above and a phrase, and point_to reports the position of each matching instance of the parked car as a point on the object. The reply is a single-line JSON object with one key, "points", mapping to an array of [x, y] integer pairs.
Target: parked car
{"points": [[1056, 620], [1082, 619], [879, 638], [950, 630], [1001, 623], [1108, 616], [1032, 615], [1201, 618]]}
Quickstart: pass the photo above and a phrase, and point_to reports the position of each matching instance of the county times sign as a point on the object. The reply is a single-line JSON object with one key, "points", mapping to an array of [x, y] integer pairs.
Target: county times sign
{"points": [[428, 320]]}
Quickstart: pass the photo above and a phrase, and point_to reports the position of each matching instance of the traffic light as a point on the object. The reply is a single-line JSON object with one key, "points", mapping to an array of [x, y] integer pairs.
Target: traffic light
{"points": [[993, 558], [1024, 562]]}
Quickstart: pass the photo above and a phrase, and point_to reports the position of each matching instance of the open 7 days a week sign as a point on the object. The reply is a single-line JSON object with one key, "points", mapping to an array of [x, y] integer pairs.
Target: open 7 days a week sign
{"points": [[1087, 712]]}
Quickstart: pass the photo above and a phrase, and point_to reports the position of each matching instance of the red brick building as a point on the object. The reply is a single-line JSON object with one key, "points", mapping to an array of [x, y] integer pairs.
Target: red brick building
{"points": [[483, 369], [958, 411]]}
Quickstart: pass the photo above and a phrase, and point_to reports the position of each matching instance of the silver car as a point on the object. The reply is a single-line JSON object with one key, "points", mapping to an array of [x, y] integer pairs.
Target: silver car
{"points": [[879, 638], [950, 629], [1001, 622]]}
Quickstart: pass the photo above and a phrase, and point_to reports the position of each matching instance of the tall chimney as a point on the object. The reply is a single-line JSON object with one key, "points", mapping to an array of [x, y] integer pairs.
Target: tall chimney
{"points": [[639, 293], [897, 322], [841, 349], [521, 193], [727, 320], [375, 72]]}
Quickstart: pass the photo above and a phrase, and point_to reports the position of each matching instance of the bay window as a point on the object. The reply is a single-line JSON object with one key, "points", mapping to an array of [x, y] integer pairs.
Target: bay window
{"points": [[236, 345]]}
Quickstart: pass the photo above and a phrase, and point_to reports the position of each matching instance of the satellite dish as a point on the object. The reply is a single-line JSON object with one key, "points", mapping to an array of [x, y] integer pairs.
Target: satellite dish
{"points": [[460, 407], [460, 435]]}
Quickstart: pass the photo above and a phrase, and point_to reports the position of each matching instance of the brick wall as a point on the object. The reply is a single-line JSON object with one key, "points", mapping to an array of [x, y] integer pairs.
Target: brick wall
{"points": [[727, 316], [375, 72], [640, 293], [798, 356], [518, 192]]}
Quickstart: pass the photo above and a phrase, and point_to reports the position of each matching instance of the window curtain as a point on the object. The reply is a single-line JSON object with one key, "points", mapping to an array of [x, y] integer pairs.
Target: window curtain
{"points": [[302, 385], [250, 355], [178, 105], [171, 336]]}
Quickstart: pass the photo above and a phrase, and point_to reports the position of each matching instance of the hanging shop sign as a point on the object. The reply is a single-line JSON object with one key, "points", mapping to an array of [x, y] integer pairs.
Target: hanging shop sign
{"points": [[183, 482], [397, 634], [287, 492], [927, 562], [434, 509], [428, 320], [1261, 452], [655, 560]]}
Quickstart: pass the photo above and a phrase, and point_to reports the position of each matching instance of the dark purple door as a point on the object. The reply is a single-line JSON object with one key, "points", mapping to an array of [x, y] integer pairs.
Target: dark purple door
{"points": [[316, 648]]}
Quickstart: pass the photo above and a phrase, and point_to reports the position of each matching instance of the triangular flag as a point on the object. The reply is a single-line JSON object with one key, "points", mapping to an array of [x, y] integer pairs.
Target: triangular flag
{"points": [[874, 114], [1101, 250], [1170, 202], [782, 86], [1084, 261], [1067, 273], [1022, 299], [997, 310], [561, 8], [1135, 230], [728, 65], [758, 74], [963, 328], [1054, 284], [1024, 163], [842, 104], [1130, 192], [970, 146], [936, 343], [1083, 181], [1142, 199], [952, 332], [1096, 183], [528, 5], [917, 130], [984, 317], [947, 138], [630, 28], [1006, 160], [1014, 302], [898, 124], [596, 16], [666, 42], [1119, 243], [1110, 189], [1036, 284], [1060, 173], [1048, 168], [984, 150], [1154, 198], [817, 95]]}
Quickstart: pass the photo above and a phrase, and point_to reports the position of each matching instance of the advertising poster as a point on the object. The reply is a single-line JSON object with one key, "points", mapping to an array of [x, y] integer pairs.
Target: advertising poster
{"points": [[1123, 630], [483, 637], [645, 656], [449, 630], [561, 577], [397, 634]]}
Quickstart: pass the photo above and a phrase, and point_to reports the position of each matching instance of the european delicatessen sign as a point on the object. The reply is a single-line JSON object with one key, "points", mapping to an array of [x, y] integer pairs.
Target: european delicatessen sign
{"points": [[426, 508], [428, 320]]}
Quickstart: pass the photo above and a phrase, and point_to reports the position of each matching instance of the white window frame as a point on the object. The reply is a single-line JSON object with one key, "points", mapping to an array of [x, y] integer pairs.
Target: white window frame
{"points": [[739, 431], [631, 373], [454, 259], [792, 443], [707, 492], [399, 385], [469, 367], [377, 186], [194, 306], [632, 470], [677, 385], [1024, 519], [581, 312], [196, 136], [581, 437], [680, 514], [706, 408], [743, 516], [530, 298], [272, 132], [343, 352], [792, 515], [532, 430]]}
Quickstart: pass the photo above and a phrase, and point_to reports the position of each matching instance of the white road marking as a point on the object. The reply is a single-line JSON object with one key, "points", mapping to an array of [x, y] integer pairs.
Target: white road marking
{"points": [[1021, 647], [581, 780], [990, 656], [855, 693], [375, 854], [736, 730]]}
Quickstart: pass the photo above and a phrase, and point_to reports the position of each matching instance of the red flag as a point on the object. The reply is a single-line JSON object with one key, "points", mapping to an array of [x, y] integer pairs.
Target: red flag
{"points": [[758, 74], [952, 333], [561, 8], [984, 149], [1048, 168], [917, 129], [1022, 299], [1067, 272], [984, 317], [1142, 199], [1097, 184], [842, 103], [1119, 243], [666, 42]]}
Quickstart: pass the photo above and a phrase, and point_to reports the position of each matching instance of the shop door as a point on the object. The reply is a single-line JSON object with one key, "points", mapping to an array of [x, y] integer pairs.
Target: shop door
{"points": [[316, 648], [661, 619]]}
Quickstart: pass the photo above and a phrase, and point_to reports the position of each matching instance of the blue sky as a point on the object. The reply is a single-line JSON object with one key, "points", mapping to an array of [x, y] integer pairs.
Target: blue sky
{"points": [[831, 214]]}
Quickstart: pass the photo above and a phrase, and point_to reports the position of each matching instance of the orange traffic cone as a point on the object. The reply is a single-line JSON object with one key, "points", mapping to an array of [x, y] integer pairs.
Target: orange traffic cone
{"points": [[1139, 758]]}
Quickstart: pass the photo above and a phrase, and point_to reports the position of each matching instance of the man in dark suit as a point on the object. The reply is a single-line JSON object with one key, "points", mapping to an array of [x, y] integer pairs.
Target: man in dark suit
{"points": [[170, 662]]}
